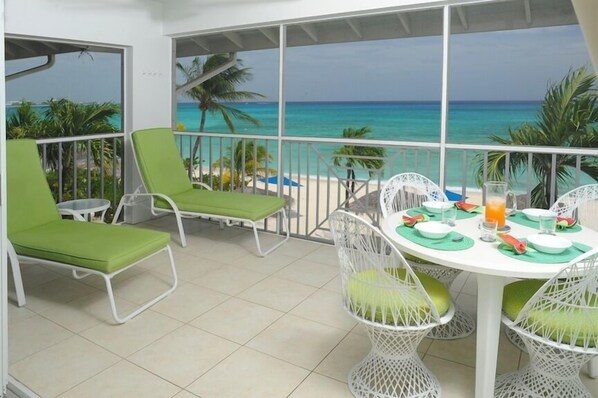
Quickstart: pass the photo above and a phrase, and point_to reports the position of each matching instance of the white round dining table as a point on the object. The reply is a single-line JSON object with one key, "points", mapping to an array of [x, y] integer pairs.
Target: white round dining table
{"points": [[492, 269]]}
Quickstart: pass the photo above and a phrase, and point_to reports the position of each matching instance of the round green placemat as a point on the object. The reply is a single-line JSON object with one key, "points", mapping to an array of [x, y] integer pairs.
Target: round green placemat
{"points": [[520, 218], [439, 244], [461, 214], [538, 257]]}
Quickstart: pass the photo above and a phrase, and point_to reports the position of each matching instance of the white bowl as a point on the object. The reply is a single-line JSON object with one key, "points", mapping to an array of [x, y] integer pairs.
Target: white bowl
{"points": [[436, 206], [534, 214], [550, 244], [432, 230]]}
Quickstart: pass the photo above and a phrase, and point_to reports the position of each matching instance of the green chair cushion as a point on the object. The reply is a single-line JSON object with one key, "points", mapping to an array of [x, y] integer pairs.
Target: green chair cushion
{"points": [[517, 294], [227, 204], [29, 200], [159, 161], [366, 291], [102, 247]]}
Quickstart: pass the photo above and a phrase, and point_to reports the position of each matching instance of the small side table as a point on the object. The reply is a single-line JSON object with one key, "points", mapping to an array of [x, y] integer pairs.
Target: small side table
{"points": [[84, 208]]}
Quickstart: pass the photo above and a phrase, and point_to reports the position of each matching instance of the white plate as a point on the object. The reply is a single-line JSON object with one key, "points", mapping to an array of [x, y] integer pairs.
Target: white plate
{"points": [[436, 206], [549, 243], [534, 214], [432, 230]]}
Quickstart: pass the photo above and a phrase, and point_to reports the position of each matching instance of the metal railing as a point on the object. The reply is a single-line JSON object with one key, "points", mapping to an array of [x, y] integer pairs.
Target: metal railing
{"points": [[84, 166], [314, 185]]}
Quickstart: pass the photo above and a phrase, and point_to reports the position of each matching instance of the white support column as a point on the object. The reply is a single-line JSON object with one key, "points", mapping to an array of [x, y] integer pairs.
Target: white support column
{"points": [[445, 86], [3, 238], [281, 102], [587, 15]]}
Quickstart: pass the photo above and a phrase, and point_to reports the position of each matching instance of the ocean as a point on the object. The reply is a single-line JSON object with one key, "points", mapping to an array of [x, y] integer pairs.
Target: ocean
{"points": [[469, 122]]}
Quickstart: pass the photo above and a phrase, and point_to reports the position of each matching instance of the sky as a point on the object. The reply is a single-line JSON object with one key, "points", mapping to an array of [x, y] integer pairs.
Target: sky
{"points": [[506, 65]]}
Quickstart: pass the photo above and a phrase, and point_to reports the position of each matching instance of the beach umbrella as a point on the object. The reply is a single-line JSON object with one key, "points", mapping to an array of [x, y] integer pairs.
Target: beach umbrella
{"points": [[285, 181], [453, 195]]}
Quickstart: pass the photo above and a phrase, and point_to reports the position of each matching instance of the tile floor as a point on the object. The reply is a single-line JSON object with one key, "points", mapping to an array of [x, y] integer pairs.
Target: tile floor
{"points": [[237, 326]]}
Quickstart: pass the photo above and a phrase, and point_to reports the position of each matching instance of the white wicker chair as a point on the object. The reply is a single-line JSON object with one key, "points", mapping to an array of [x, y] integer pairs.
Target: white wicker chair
{"points": [[408, 190], [575, 203], [397, 306], [558, 322]]}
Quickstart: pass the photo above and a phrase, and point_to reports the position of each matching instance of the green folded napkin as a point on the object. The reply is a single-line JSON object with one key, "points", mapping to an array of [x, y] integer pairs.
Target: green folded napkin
{"points": [[445, 243], [520, 218], [538, 257]]}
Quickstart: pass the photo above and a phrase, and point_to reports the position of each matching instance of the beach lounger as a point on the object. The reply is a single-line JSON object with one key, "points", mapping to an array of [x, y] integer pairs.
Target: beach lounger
{"points": [[38, 234], [170, 190]]}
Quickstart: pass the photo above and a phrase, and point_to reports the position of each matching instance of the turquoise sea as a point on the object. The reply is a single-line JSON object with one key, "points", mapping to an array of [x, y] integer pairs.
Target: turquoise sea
{"points": [[469, 122]]}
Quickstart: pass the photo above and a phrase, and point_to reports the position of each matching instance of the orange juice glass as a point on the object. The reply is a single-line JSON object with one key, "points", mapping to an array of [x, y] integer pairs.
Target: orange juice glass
{"points": [[495, 210], [496, 201]]}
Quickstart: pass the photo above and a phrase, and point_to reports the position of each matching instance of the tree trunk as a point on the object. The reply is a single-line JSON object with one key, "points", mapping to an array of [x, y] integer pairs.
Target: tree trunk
{"points": [[202, 124]]}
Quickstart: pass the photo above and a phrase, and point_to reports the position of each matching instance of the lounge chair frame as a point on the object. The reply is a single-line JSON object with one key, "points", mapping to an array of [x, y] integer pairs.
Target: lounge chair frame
{"points": [[130, 199], [80, 273]]}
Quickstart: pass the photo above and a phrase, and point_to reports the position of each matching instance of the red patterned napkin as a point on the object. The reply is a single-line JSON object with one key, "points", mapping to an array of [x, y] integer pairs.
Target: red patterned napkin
{"points": [[468, 207], [409, 221], [565, 222], [513, 243]]}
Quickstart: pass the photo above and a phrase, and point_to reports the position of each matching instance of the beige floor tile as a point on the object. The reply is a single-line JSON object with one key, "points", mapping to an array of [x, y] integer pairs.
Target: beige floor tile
{"points": [[237, 320], [298, 248], [298, 341], [277, 293], [334, 285], [16, 314], [459, 282], [85, 312], [61, 367], [324, 254], [60, 290], [189, 267], [183, 355], [264, 265], [463, 351], [325, 307], [249, 374], [34, 275], [456, 380], [189, 301], [459, 350], [130, 337], [228, 279], [123, 380], [352, 349], [468, 303], [185, 394], [308, 273], [321, 386], [591, 384], [142, 287], [31, 335], [471, 285]]}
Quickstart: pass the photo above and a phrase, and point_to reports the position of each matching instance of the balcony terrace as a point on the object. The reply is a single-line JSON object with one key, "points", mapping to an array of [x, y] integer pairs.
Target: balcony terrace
{"points": [[237, 326]]}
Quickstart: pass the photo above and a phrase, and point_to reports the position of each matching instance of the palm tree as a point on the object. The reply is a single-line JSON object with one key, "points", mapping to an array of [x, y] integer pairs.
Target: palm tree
{"points": [[220, 88], [567, 118], [368, 157], [24, 122], [65, 118], [255, 157]]}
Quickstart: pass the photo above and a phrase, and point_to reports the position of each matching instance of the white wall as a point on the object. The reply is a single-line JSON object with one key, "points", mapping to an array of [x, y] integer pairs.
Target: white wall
{"points": [[134, 25]]}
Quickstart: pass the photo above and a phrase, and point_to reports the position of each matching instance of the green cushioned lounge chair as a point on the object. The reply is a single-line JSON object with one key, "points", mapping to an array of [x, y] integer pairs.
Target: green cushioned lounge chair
{"points": [[170, 190], [37, 233]]}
